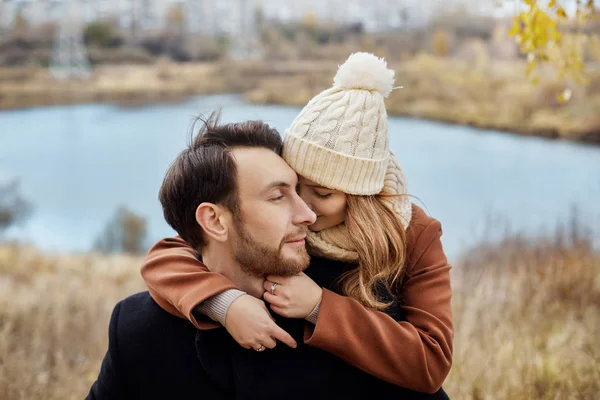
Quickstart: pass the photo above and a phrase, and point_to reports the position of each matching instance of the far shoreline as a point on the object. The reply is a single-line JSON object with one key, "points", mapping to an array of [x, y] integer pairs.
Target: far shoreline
{"points": [[489, 97]]}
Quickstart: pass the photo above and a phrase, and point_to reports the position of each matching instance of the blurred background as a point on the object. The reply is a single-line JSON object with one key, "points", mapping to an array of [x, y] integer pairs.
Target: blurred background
{"points": [[497, 127]]}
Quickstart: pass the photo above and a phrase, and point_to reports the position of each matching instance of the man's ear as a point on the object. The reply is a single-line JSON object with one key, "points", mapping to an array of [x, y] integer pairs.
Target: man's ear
{"points": [[211, 218]]}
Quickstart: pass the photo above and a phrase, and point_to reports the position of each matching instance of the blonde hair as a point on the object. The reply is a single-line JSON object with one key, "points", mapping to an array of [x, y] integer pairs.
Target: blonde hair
{"points": [[379, 238]]}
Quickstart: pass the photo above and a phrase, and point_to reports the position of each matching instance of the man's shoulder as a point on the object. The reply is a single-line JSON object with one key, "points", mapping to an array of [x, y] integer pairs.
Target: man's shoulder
{"points": [[140, 305], [139, 318], [155, 352], [141, 308]]}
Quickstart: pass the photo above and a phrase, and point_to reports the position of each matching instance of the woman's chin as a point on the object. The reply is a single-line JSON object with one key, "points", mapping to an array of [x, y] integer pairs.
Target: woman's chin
{"points": [[321, 226], [314, 228]]}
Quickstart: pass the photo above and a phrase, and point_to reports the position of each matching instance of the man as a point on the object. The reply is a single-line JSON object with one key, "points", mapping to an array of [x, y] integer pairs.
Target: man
{"points": [[233, 197], [228, 172]]}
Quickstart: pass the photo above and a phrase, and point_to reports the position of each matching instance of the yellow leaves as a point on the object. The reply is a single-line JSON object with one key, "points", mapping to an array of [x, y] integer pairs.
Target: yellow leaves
{"points": [[530, 68], [530, 71], [516, 27], [564, 96], [556, 37], [571, 58], [537, 31]]}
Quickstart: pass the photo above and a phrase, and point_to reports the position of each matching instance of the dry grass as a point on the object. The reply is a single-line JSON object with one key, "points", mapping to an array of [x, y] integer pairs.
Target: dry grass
{"points": [[54, 319], [127, 85], [527, 317]]}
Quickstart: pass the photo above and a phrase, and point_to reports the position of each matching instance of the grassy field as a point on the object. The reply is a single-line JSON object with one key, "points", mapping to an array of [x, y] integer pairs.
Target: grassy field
{"points": [[527, 317]]}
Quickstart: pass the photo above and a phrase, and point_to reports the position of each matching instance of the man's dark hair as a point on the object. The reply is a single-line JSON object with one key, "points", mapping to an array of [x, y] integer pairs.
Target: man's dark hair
{"points": [[206, 172]]}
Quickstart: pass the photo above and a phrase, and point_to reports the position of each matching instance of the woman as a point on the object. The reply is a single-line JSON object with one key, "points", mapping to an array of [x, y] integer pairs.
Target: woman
{"points": [[378, 259]]}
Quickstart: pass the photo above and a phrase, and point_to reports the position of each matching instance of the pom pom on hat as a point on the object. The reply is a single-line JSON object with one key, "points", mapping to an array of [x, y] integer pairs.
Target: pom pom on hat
{"points": [[365, 71]]}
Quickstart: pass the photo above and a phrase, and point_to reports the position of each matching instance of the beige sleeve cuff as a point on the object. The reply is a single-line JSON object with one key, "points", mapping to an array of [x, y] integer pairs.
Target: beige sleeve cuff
{"points": [[216, 307], [314, 314]]}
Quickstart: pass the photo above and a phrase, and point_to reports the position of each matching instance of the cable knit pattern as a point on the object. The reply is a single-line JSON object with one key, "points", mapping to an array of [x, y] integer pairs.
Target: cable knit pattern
{"points": [[349, 127], [312, 115], [381, 141], [368, 130], [340, 138], [395, 183]]}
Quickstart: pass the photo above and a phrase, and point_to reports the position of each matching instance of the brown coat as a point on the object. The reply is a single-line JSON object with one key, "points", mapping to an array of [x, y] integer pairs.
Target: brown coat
{"points": [[415, 354]]}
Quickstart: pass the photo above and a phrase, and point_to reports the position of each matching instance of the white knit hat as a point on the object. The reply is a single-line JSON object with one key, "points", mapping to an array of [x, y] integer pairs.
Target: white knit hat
{"points": [[340, 139]]}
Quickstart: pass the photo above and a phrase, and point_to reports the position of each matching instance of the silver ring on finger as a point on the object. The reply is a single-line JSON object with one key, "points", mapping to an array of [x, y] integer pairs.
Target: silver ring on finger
{"points": [[261, 348], [273, 287]]}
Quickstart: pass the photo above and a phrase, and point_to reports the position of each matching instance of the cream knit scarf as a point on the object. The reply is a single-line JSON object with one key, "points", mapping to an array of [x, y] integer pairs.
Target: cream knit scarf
{"points": [[335, 243]]}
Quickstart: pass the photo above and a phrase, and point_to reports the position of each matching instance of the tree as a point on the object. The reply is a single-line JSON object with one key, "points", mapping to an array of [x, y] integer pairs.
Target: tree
{"points": [[125, 232], [310, 20], [259, 18], [102, 34], [13, 207], [21, 25], [441, 43], [546, 34], [176, 19]]}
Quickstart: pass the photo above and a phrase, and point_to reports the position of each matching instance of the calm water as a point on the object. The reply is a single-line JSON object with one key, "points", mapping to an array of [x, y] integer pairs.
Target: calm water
{"points": [[77, 164]]}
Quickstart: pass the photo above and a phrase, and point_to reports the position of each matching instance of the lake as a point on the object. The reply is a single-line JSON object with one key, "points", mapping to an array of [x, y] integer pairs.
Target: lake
{"points": [[77, 164]]}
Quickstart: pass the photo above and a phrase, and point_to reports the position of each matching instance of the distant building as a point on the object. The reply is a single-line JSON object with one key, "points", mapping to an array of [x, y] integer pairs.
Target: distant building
{"points": [[218, 17]]}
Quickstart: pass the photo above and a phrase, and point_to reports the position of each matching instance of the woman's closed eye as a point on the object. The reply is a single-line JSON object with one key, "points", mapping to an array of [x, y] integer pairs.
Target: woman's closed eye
{"points": [[322, 195]]}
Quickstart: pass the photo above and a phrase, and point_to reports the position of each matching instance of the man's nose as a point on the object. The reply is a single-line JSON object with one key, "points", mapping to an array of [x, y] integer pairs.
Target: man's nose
{"points": [[306, 200], [304, 213]]}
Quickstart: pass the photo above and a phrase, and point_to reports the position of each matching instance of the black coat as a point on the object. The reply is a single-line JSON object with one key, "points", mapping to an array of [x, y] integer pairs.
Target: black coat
{"points": [[154, 355]]}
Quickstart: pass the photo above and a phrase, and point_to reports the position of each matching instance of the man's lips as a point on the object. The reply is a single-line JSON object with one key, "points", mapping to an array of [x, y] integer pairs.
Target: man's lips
{"points": [[297, 240]]}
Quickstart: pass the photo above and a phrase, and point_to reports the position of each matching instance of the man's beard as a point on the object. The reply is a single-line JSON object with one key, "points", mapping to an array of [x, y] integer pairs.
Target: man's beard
{"points": [[259, 260]]}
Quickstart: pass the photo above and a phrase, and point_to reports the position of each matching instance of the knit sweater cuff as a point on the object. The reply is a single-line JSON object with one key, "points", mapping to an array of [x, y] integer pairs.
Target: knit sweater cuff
{"points": [[216, 307], [314, 314]]}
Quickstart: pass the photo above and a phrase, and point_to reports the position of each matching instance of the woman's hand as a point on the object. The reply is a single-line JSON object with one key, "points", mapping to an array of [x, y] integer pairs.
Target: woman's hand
{"points": [[294, 296], [248, 321]]}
